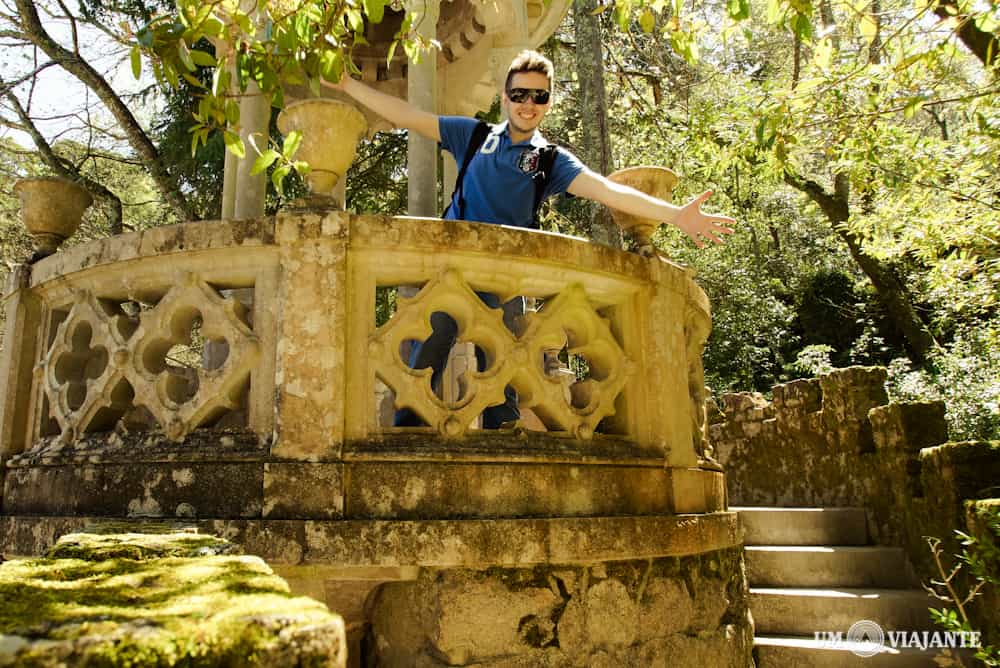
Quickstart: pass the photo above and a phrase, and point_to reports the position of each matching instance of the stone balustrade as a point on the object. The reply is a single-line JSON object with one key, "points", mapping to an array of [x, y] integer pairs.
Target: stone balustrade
{"points": [[90, 332], [259, 341], [241, 377]]}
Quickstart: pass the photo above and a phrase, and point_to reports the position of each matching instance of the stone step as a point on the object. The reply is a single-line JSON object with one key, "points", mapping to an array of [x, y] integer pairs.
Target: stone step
{"points": [[807, 611], [803, 526], [807, 652], [823, 566]]}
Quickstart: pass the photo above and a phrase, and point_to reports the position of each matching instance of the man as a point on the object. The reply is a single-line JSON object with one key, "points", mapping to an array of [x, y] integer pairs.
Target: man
{"points": [[498, 186]]}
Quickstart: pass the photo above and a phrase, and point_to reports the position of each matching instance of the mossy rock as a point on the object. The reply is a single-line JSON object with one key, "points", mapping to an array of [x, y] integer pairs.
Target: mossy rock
{"points": [[158, 599]]}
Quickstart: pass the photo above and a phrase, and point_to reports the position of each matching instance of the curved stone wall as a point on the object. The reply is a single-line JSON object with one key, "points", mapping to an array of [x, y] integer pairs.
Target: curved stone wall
{"points": [[238, 370]]}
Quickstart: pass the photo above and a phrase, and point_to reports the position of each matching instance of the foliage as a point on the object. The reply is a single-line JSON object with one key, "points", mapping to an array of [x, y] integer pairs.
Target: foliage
{"points": [[980, 561], [964, 376], [271, 45]]}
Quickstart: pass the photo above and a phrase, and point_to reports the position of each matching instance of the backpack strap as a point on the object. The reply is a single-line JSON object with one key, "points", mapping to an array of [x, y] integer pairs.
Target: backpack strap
{"points": [[542, 176], [479, 134]]}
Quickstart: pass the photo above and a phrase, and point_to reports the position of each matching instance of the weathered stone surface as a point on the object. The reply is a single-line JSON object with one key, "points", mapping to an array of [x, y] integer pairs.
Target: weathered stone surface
{"points": [[642, 613], [811, 447], [416, 490], [441, 544], [182, 490], [851, 450], [301, 491]]}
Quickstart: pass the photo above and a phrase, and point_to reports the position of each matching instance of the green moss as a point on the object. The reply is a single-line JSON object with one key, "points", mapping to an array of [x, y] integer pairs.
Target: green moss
{"points": [[148, 600]]}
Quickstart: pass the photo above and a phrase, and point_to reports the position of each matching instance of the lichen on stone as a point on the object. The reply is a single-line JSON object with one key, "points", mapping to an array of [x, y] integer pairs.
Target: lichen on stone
{"points": [[159, 599]]}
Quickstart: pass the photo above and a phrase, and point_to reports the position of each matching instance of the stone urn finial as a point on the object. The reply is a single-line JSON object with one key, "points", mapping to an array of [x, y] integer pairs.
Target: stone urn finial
{"points": [[51, 210], [655, 181], [330, 131]]}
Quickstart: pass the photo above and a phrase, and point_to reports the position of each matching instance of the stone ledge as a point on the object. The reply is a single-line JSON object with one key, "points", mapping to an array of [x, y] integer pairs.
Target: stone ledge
{"points": [[433, 543]]}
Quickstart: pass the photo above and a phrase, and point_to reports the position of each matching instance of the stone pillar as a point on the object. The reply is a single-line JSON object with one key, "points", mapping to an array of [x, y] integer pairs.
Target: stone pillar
{"points": [[229, 187], [23, 311], [255, 116], [422, 92]]}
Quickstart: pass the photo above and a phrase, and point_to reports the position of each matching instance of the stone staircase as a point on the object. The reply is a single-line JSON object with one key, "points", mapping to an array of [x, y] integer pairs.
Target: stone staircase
{"points": [[813, 570]]}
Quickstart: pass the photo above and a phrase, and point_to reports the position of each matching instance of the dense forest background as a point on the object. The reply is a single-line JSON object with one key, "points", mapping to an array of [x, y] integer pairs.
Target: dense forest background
{"points": [[856, 142]]}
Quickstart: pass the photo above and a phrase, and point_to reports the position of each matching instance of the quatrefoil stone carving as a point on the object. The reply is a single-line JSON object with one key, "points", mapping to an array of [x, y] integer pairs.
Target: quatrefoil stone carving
{"points": [[80, 385], [169, 324], [569, 318], [103, 362]]}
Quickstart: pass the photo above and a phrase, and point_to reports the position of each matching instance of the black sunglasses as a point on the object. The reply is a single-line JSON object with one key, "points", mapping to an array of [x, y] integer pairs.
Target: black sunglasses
{"points": [[521, 95]]}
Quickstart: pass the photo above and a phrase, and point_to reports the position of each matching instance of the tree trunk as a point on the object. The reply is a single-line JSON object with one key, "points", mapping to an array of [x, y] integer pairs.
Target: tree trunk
{"points": [[595, 145], [984, 45], [891, 292], [74, 64]]}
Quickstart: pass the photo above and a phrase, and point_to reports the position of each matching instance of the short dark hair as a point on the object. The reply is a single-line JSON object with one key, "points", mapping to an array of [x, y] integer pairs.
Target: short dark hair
{"points": [[529, 61]]}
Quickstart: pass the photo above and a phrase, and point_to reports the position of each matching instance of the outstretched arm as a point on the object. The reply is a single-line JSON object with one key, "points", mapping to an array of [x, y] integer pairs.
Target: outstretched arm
{"points": [[399, 112], [689, 218]]}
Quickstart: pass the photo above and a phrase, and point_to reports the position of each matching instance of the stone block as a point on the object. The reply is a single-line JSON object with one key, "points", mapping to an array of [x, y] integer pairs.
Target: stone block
{"points": [[966, 470], [908, 427], [295, 490], [184, 490], [436, 490]]}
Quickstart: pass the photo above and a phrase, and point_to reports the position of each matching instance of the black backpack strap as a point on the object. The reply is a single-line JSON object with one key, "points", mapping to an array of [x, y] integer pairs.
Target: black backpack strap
{"points": [[479, 134], [542, 176]]}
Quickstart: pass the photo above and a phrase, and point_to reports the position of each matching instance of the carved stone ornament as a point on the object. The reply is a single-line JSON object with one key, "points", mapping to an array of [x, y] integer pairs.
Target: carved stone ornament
{"points": [[330, 133], [568, 318], [103, 362], [51, 210], [658, 182]]}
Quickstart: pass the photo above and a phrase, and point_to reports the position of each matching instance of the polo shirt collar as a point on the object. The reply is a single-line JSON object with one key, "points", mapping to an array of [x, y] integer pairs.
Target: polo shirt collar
{"points": [[536, 140]]}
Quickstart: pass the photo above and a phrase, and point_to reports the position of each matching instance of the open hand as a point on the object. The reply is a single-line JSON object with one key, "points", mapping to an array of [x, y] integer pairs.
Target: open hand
{"points": [[702, 226]]}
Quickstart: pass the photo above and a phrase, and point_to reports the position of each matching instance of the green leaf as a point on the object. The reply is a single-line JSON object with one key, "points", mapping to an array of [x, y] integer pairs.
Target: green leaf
{"points": [[913, 105], [331, 65], [392, 52], [194, 141], [171, 75], [145, 37], [192, 80], [356, 20], [738, 9], [136, 58], [232, 112], [263, 161], [302, 167], [278, 178], [375, 9], [291, 143], [869, 27], [185, 55], [647, 21], [220, 80], [202, 59], [600, 9], [234, 144]]}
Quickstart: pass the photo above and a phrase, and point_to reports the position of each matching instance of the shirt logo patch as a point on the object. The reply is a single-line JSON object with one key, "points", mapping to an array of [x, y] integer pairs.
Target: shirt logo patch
{"points": [[528, 162], [490, 145]]}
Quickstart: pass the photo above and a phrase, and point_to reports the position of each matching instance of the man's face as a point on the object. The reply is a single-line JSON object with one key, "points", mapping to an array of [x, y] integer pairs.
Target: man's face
{"points": [[526, 116]]}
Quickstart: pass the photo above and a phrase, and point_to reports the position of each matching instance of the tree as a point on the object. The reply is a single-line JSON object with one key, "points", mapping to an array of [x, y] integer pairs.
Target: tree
{"points": [[595, 140]]}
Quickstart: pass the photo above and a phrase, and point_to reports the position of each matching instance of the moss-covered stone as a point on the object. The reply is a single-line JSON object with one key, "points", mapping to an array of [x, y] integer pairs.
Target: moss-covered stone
{"points": [[161, 599]]}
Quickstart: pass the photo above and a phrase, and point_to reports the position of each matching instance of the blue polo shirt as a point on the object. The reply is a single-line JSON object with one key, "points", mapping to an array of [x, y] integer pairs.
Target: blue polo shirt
{"points": [[497, 185]]}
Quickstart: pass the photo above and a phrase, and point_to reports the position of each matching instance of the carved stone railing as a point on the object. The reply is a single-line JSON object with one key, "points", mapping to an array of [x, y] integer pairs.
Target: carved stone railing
{"points": [[268, 328]]}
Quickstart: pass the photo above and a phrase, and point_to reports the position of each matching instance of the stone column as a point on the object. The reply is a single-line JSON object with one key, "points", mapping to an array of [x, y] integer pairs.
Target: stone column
{"points": [[21, 333], [255, 116], [421, 87]]}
